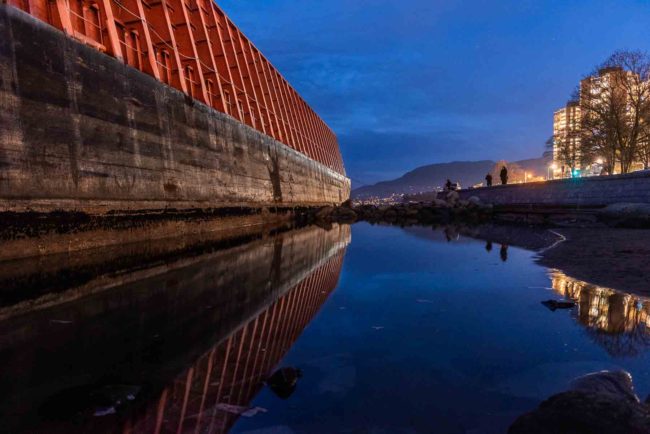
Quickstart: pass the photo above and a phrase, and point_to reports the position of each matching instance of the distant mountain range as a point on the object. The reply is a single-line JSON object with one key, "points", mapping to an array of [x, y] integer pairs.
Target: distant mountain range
{"points": [[428, 178]]}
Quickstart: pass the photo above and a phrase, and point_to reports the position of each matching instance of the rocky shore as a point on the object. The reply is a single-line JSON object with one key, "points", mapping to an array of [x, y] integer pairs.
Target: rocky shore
{"points": [[602, 402], [612, 258], [447, 210], [449, 207]]}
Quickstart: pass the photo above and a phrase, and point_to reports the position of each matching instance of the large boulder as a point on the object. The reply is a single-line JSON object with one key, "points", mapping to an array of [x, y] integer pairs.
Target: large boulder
{"points": [[439, 203], [427, 214], [603, 402], [412, 211], [324, 213], [617, 384], [474, 202], [390, 213], [634, 215], [452, 197], [283, 381], [345, 215]]}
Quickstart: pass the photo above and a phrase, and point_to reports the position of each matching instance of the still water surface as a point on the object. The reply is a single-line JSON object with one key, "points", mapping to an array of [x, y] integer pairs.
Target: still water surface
{"points": [[429, 335], [374, 329]]}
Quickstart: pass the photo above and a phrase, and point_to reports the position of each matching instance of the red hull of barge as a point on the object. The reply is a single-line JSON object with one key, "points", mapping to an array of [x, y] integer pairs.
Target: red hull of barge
{"points": [[81, 130]]}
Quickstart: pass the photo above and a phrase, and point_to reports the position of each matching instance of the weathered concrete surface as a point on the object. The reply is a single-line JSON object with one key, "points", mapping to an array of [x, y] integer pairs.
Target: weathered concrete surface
{"points": [[579, 192], [87, 241], [65, 235], [80, 131], [33, 284]]}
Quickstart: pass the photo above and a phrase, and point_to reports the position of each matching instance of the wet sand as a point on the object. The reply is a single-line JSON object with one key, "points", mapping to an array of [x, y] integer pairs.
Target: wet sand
{"points": [[614, 258]]}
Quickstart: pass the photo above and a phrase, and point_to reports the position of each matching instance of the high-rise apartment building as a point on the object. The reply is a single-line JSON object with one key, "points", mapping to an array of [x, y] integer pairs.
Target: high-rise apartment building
{"points": [[566, 139], [610, 83]]}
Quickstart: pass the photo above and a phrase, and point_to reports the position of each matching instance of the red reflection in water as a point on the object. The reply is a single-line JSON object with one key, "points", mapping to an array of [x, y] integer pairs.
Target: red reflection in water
{"points": [[206, 397]]}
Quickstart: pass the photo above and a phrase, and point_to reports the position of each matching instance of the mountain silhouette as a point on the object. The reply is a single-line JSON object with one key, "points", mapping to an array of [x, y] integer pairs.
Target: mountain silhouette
{"points": [[429, 177]]}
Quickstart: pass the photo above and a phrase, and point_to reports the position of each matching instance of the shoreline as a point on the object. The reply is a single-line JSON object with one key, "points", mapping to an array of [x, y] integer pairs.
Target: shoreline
{"points": [[615, 258]]}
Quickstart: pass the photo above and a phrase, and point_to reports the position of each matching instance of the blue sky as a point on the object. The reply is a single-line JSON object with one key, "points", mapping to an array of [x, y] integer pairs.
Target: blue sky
{"points": [[405, 83]]}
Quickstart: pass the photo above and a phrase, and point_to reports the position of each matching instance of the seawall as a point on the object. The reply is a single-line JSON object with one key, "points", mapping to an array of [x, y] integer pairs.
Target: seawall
{"points": [[83, 132], [592, 192]]}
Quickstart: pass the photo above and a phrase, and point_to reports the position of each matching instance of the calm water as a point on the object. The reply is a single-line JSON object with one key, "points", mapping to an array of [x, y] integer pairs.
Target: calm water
{"points": [[393, 330]]}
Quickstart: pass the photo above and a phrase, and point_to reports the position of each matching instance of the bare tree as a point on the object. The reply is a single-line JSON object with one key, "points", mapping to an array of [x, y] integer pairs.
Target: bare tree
{"points": [[549, 148], [597, 125], [615, 109], [568, 153], [644, 149]]}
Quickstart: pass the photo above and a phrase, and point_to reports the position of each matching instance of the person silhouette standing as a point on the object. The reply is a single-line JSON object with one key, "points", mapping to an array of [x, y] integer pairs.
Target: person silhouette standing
{"points": [[488, 180], [504, 175]]}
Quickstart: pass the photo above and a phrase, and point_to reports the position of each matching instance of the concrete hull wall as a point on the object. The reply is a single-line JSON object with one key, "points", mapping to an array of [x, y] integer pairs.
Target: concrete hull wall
{"points": [[80, 131], [579, 192]]}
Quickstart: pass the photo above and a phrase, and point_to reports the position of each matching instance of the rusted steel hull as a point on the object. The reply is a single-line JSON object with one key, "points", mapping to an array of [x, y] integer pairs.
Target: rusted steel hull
{"points": [[83, 131]]}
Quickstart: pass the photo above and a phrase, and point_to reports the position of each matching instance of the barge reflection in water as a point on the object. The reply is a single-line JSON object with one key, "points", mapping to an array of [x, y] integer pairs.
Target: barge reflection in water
{"points": [[179, 346]]}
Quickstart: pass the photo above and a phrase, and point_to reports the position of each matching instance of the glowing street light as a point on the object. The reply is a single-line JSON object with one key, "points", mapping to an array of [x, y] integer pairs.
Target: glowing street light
{"points": [[551, 171]]}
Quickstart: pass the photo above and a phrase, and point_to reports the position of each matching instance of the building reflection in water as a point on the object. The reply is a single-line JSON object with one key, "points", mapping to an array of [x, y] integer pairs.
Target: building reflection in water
{"points": [[188, 342], [616, 320]]}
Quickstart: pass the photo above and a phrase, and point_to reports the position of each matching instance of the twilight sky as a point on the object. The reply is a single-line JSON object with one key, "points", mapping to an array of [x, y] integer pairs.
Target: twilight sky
{"points": [[405, 83]]}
